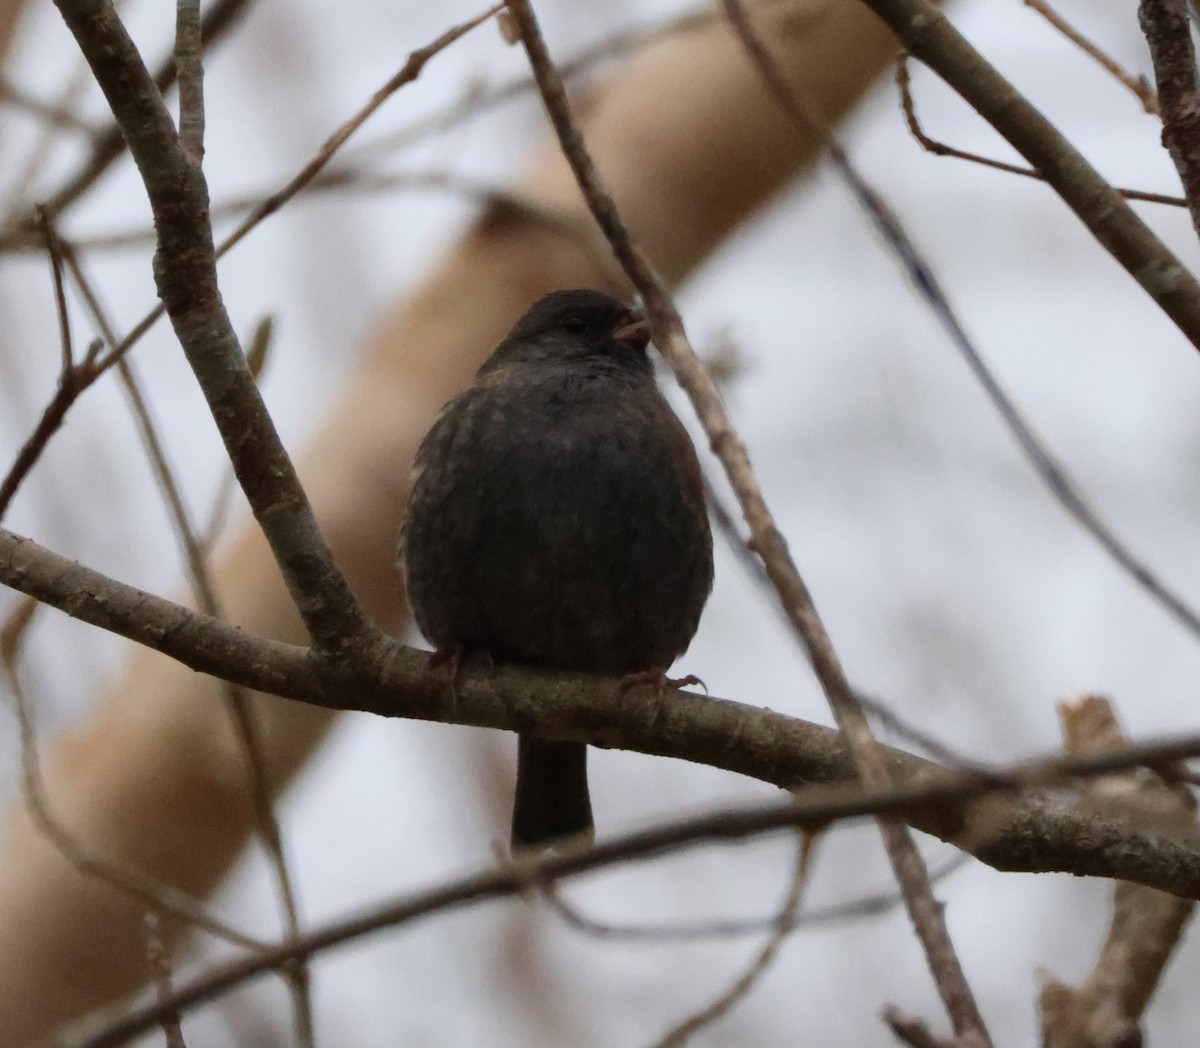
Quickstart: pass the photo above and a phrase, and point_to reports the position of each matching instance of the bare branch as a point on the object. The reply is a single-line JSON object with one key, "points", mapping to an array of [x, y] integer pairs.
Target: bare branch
{"points": [[475, 103], [784, 922], [932, 145], [929, 36], [1146, 925], [1031, 832], [149, 891], [189, 67], [238, 702], [1137, 84], [159, 958], [54, 250], [185, 272], [66, 393], [861, 908], [73, 378], [350, 180], [1167, 28], [667, 329]]}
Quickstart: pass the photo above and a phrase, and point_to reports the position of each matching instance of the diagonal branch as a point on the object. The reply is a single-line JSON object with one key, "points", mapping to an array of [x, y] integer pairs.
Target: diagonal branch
{"points": [[74, 383], [766, 539], [912, 875], [932, 145], [929, 36], [185, 272], [1138, 85], [218, 19], [509, 879], [237, 700]]}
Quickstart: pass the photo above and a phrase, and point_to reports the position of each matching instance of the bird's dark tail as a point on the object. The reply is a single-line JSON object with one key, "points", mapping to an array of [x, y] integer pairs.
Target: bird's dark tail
{"points": [[552, 800]]}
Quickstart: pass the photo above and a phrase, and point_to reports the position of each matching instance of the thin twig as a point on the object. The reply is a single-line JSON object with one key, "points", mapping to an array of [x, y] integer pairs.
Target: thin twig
{"points": [[186, 277], [1168, 32], [149, 891], [239, 704], [922, 740], [784, 922], [476, 102], [350, 180], [53, 415], [864, 907], [159, 959], [1049, 469], [932, 145], [407, 74], [1139, 85], [73, 378], [930, 37], [54, 250]]}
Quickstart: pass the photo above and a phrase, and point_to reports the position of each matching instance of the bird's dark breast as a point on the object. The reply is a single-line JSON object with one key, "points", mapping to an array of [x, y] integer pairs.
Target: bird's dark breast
{"points": [[559, 522]]}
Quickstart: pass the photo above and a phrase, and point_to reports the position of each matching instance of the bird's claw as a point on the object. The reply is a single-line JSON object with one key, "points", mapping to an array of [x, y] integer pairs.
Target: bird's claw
{"points": [[455, 657], [659, 681]]}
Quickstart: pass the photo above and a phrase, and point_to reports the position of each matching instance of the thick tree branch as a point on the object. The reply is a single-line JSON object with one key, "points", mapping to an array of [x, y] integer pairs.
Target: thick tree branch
{"points": [[186, 275], [1004, 818]]}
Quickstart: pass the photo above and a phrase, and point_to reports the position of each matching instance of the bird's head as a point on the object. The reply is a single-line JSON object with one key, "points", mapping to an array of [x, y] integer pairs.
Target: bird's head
{"points": [[576, 326]]}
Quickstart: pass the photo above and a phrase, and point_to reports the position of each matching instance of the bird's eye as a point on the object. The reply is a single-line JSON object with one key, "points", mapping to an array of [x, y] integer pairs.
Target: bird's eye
{"points": [[575, 325]]}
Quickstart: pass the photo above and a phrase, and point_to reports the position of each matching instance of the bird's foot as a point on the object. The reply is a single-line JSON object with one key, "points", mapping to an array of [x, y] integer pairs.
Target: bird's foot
{"points": [[659, 681], [456, 657]]}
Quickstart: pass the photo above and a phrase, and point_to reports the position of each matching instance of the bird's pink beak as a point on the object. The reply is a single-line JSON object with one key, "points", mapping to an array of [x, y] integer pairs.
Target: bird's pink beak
{"points": [[635, 330]]}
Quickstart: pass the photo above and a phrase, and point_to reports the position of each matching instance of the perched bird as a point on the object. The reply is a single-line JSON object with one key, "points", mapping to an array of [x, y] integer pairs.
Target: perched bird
{"points": [[557, 519]]}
